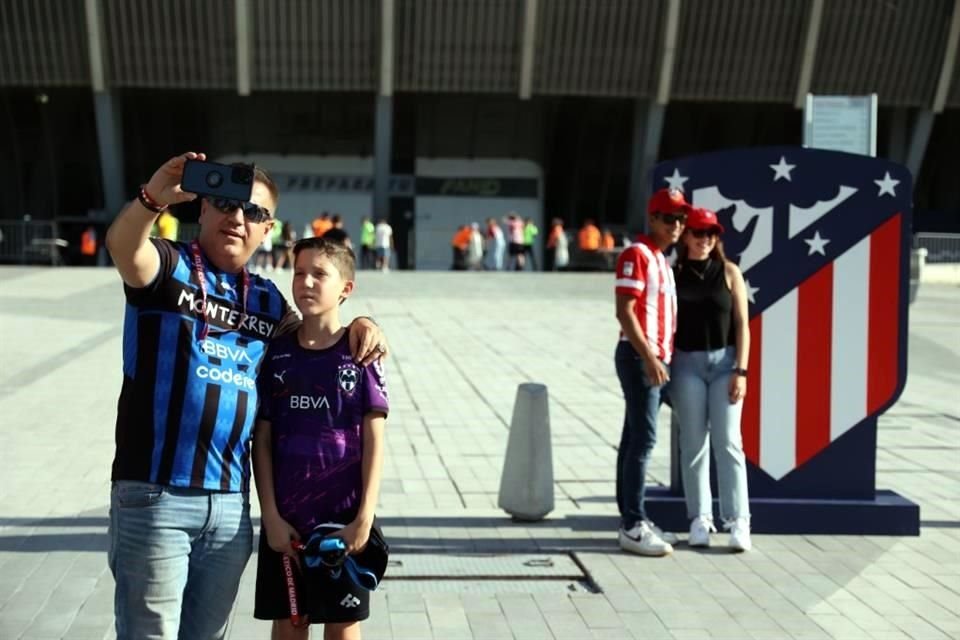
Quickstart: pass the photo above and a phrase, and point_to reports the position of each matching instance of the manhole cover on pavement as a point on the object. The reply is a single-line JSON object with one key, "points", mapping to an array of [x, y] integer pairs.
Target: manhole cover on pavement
{"points": [[457, 571], [487, 586]]}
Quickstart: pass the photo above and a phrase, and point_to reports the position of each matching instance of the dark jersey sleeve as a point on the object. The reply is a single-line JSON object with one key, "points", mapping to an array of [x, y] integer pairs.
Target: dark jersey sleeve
{"points": [[169, 255], [375, 396]]}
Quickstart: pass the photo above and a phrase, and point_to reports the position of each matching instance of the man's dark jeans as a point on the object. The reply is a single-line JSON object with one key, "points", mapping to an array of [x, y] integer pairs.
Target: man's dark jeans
{"points": [[639, 433]]}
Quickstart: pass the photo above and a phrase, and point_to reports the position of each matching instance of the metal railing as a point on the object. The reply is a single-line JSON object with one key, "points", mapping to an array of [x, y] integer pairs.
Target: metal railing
{"points": [[941, 248], [31, 242]]}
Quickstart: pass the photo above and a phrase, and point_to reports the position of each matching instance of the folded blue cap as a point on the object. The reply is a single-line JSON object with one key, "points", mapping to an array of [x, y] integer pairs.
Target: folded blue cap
{"points": [[365, 569]]}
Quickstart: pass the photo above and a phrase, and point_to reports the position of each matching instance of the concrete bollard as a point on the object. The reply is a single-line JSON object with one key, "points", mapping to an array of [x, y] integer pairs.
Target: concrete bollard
{"points": [[526, 485]]}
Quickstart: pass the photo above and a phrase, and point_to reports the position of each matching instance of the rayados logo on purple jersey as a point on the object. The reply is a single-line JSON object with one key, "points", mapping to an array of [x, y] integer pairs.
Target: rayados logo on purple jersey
{"points": [[348, 377]]}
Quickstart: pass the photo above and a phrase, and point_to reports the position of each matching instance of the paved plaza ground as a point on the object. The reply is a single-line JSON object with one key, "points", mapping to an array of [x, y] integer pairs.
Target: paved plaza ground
{"points": [[462, 343]]}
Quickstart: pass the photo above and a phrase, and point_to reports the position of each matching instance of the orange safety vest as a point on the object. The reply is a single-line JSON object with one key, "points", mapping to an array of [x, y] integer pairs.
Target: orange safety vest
{"points": [[608, 241], [461, 239], [589, 238], [88, 242]]}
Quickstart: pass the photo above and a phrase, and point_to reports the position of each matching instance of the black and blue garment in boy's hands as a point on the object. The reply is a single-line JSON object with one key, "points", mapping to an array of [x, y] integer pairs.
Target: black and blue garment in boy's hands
{"points": [[325, 552]]}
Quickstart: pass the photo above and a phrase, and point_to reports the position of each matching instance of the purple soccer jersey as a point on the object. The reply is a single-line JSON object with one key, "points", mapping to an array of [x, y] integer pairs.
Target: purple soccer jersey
{"points": [[315, 401]]}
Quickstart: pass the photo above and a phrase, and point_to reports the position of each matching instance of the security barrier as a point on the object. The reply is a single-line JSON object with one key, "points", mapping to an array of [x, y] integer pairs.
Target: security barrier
{"points": [[31, 242], [941, 247]]}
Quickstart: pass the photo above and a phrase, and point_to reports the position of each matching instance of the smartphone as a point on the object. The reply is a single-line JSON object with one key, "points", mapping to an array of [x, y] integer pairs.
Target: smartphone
{"points": [[218, 180]]}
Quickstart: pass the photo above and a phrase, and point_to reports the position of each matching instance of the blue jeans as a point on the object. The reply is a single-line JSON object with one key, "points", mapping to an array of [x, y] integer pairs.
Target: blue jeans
{"points": [[639, 433], [177, 556], [700, 392]]}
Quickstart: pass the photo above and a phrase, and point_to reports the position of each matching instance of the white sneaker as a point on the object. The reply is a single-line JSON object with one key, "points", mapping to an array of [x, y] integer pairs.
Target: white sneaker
{"points": [[700, 530], [739, 534], [667, 536], [643, 540]]}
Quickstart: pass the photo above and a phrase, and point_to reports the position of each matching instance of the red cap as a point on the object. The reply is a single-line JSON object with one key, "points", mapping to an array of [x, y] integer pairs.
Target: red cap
{"points": [[703, 219], [667, 201]]}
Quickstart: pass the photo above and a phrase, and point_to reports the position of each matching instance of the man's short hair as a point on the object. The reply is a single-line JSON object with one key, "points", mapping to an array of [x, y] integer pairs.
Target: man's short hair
{"points": [[338, 253]]}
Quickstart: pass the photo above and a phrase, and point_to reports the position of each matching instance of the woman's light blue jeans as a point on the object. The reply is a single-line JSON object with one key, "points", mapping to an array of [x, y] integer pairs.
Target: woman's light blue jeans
{"points": [[177, 556], [700, 392]]}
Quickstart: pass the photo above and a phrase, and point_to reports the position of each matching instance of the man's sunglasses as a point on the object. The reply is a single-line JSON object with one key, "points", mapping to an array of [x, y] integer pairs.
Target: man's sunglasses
{"points": [[704, 233], [671, 218], [252, 212]]}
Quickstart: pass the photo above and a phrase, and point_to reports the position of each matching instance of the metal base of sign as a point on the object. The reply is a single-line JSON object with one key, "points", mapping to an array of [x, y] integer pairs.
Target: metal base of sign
{"points": [[888, 514]]}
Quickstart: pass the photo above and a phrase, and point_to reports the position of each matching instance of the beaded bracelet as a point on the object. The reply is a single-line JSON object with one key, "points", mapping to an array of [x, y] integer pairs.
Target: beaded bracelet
{"points": [[148, 202]]}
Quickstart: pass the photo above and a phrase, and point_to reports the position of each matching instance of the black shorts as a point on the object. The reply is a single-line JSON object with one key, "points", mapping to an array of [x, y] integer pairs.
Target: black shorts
{"points": [[323, 598], [516, 249]]}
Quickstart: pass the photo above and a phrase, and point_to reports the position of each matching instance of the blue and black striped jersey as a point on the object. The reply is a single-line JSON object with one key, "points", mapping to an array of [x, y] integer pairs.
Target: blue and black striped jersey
{"points": [[188, 403]]}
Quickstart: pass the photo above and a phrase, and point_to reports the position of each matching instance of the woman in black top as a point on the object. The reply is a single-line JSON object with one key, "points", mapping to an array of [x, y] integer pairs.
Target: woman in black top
{"points": [[709, 379]]}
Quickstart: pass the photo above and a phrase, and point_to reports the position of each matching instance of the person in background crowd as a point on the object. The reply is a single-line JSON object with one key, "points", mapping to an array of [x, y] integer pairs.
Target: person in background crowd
{"points": [[279, 251], [383, 244], [516, 237], [336, 233], [530, 233], [321, 224], [496, 245], [475, 248], [89, 246], [607, 241], [646, 302], [263, 258], [287, 240], [168, 226], [709, 380], [460, 243], [366, 243], [589, 237], [558, 247]]}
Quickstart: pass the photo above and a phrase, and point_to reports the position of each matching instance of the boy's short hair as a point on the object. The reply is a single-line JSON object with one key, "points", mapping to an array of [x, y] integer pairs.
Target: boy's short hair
{"points": [[336, 252]]}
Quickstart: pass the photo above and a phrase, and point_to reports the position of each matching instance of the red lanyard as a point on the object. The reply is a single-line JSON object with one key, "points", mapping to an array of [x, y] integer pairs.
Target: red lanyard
{"points": [[201, 278]]}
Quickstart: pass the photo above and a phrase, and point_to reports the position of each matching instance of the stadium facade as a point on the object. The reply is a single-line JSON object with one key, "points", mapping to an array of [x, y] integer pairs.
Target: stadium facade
{"points": [[435, 113]]}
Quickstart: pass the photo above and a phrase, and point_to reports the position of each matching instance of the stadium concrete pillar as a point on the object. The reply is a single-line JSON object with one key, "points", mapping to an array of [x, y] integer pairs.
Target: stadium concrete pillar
{"points": [[106, 106], [897, 147], [383, 133], [647, 131], [919, 137], [383, 150], [106, 112]]}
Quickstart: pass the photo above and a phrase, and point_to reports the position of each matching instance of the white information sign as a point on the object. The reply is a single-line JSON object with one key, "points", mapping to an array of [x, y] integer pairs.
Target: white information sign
{"points": [[841, 123]]}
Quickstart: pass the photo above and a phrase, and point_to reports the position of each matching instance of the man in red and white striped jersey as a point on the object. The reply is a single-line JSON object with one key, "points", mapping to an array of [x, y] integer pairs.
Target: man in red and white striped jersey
{"points": [[647, 310]]}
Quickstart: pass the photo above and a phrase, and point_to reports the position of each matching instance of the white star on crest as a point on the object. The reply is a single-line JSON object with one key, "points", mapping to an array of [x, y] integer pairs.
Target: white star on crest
{"points": [[676, 180], [750, 291], [887, 184], [816, 244], [782, 170]]}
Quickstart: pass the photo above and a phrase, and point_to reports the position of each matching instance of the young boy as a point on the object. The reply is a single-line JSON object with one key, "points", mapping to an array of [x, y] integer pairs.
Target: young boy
{"points": [[317, 448]]}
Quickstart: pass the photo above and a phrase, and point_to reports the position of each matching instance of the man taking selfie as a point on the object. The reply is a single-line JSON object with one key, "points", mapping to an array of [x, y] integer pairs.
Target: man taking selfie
{"points": [[196, 327]]}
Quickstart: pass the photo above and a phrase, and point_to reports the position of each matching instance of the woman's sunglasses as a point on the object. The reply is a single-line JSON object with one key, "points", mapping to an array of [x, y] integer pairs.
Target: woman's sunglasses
{"points": [[704, 233], [252, 212]]}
